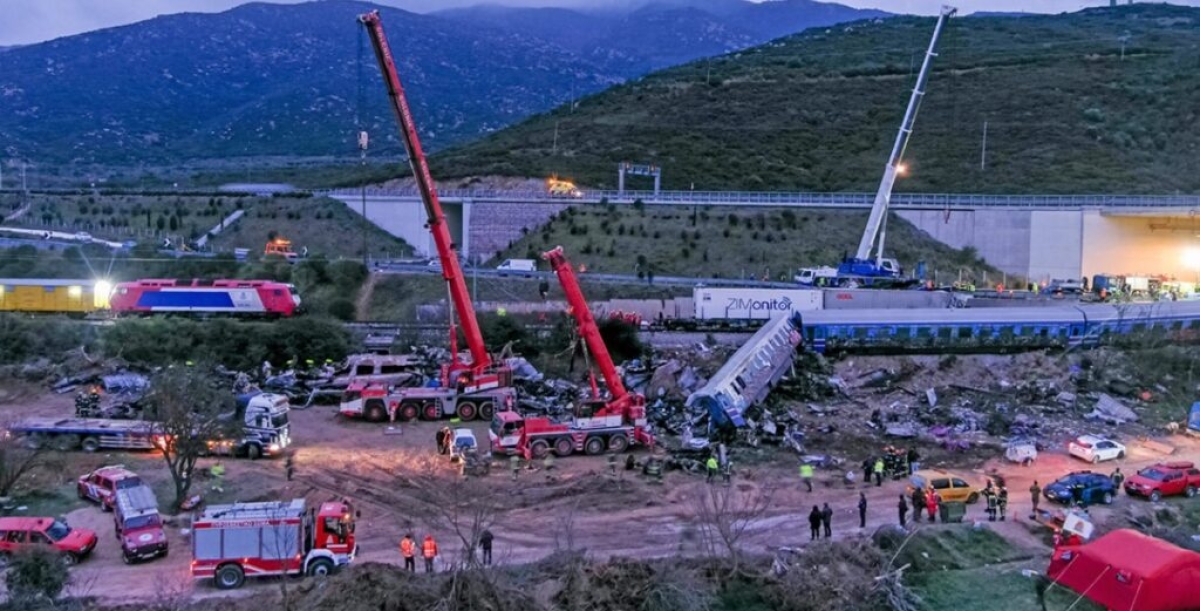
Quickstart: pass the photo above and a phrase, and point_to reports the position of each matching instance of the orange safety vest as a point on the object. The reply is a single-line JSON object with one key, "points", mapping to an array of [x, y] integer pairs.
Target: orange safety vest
{"points": [[406, 547], [429, 548]]}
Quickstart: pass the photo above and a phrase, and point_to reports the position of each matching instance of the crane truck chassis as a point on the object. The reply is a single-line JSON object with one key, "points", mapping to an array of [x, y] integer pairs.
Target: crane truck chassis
{"points": [[376, 403]]}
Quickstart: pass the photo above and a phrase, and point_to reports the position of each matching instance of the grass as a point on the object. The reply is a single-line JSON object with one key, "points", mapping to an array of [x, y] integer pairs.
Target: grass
{"points": [[326, 226], [819, 111], [726, 242]]}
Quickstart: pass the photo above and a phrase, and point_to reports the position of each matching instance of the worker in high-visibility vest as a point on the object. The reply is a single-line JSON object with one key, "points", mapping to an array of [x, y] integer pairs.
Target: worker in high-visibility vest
{"points": [[408, 551], [429, 550], [806, 475]]}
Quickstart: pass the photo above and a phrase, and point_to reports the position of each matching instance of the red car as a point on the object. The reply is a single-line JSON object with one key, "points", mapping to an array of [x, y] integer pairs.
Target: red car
{"points": [[102, 484], [1164, 479], [19, 533]]}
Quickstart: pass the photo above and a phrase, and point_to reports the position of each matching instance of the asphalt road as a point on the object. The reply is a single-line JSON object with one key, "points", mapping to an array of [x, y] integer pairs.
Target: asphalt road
{"points": [[392, 267]]}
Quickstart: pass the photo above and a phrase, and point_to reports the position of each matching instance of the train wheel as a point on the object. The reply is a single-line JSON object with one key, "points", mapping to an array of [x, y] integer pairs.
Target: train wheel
{"points": [[487, 409], [430, 411], [563, 446], [618, 443], [539, 448], [467, 410], [593, 446], [408, 411]]}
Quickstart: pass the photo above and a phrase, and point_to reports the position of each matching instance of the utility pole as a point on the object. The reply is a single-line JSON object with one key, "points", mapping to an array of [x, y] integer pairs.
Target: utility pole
{"points": [[1124, 38], [363, 140], [983, 151]]}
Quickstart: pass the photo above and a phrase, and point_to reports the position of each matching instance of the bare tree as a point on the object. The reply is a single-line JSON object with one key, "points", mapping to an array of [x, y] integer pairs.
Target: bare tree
{"points": [[18, 458], [191, 409], [465, 506], [725, 515]]}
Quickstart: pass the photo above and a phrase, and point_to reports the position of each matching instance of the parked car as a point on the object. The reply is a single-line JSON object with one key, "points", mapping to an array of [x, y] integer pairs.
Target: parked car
{"points": [[1094, 448], [462, 442], [100, 486], [21, 533], [949, 486], [1164, 479], [138, 525], [1095, 488]]}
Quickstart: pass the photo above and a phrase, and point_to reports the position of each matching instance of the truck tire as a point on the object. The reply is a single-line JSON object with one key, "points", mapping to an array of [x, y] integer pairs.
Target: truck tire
{"points": [[33, 441], [467, 410], [66, 443], [408, 411], [320, 567], [618, 443], [539, 448], [487, 409], [430, 411], [90, 444], [229, 577], [563, 446], [375, 411], [593, 446], [254, 451]]}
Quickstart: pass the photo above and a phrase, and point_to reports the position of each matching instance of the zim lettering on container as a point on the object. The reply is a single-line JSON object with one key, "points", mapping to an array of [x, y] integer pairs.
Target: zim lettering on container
{"points": [[782, 304]]}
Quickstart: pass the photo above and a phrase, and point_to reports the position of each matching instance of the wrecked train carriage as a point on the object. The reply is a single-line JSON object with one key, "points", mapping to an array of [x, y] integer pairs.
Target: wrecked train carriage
{"points": [[981, 330], [747, 377]]}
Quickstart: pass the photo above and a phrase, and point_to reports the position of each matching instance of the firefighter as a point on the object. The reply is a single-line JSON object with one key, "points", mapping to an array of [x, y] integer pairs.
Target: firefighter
{"points": [[1002, 501], [806, 475], [429, 551], [711, 466], [514, 462], [408, 549]]}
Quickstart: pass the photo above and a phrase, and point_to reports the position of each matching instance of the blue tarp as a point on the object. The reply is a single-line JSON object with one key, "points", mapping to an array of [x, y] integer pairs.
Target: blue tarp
{"points": [[1194, 417]]}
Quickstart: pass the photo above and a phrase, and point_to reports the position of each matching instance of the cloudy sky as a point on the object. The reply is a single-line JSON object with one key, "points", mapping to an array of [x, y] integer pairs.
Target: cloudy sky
{"points": [[30, 21]]}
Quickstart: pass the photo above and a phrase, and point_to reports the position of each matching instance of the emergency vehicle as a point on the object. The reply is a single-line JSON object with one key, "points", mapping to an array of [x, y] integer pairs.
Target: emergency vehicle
{"points": [[232, 542]]}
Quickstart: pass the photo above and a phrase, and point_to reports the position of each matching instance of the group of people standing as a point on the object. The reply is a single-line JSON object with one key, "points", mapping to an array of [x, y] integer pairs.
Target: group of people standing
{"points": [[429, 550]]}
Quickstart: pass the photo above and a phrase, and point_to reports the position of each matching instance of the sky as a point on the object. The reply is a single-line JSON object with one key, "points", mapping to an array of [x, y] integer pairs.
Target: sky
{"points": [[31, 21]]}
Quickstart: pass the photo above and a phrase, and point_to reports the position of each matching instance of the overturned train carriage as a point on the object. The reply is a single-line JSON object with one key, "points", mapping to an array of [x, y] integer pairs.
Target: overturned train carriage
{"points": [[988, 329]]}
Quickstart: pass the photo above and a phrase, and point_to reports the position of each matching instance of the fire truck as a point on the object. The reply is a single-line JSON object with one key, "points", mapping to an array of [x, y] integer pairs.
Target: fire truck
{"points": [[467, 389], [232, 542], [601, 422]]}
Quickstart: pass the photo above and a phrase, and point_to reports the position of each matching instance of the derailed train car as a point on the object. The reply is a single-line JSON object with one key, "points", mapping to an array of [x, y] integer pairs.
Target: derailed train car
{"points": [[73, 297]]}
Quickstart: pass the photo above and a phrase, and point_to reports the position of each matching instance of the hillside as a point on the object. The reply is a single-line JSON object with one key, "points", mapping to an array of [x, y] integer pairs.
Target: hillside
{"points": [[290, 81], [1066, 112], [728, 242]]}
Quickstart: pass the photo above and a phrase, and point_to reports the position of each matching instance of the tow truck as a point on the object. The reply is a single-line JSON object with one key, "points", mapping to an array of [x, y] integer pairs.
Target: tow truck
{"points": [[862, 270], [599, 423], [467, 389]]}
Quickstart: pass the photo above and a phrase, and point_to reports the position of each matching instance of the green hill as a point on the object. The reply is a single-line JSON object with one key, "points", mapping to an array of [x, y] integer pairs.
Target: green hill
{"points": [[1068, 111]]}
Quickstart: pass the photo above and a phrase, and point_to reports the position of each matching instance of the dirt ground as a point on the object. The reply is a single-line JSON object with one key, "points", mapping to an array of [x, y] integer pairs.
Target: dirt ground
{"points": [[622, 516]]}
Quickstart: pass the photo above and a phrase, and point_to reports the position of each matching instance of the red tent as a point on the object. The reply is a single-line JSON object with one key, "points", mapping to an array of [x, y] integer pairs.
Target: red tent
{"points": [[1128, 571]]}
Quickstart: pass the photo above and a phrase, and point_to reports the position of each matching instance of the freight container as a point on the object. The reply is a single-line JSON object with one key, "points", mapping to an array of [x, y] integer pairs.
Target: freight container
{"points": [[753, 304], [858, 299]]}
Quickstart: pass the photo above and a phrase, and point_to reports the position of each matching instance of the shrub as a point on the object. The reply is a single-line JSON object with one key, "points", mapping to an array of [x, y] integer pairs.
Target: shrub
{"points": [[36, 573]]}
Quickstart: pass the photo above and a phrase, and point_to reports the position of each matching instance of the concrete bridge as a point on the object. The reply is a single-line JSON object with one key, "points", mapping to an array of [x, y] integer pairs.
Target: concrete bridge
{"points": [[1035, 236]]}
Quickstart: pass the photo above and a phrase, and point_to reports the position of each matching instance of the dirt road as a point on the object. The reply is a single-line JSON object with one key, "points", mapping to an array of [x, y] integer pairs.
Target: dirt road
{"points": [[626, 515]]}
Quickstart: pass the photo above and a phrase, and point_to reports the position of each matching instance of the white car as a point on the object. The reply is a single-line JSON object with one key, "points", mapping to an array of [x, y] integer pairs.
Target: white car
{"points": [[1094, 448], [462, 441]]}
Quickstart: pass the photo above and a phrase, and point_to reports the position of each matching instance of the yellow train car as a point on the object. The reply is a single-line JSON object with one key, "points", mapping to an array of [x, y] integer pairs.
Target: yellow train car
{"points": [[53, 296]]}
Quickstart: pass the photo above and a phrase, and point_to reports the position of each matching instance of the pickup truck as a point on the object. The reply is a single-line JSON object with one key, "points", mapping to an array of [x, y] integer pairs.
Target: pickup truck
{"points": [[1164, 479]]}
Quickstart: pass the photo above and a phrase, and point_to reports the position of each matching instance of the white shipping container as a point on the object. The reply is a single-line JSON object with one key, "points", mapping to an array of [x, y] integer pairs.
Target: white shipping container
{"points": [[753, 304]]}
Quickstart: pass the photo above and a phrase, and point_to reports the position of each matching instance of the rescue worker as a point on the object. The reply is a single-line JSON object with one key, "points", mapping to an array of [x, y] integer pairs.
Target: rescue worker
{"points": [[918, 503], [913, 461], [408, 550], [903, 511], [1002, 501], [1035, 494], [879, 466], [217, 472], [1118, 478], [867, 465], [827, 520], [806, 475], [711, 466], [991, 504], [612, 467], [430, 551], [862, 510], [289, 466], [814, 523], [514, 462], [932, 501], [485, 544], [726, 471], [544, 289]]}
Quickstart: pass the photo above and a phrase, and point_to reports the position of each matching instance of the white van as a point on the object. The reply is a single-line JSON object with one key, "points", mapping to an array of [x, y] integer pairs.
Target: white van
{"points": [[525, 266]]}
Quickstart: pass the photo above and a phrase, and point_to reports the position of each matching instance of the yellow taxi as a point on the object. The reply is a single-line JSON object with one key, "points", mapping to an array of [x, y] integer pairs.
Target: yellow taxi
{"points": [[950, 486]]}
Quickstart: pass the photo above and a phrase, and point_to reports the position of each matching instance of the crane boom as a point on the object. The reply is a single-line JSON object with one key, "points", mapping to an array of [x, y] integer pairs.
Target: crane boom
{"points": [[587, 323], [884, 196], [451, 270]]}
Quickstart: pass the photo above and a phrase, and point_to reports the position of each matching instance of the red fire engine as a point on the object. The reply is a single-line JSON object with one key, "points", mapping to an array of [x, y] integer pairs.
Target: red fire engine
{"points": [[612, 422], [232, 542], [467, 389]]}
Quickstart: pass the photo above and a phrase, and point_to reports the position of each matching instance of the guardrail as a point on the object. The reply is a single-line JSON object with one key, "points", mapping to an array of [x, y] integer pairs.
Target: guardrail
{"points": [[937, 201]]}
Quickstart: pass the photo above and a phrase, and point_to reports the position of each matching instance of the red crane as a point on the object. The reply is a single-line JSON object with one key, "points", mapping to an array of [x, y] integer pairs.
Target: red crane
{"points": [[468, 389], [600, 423]]}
